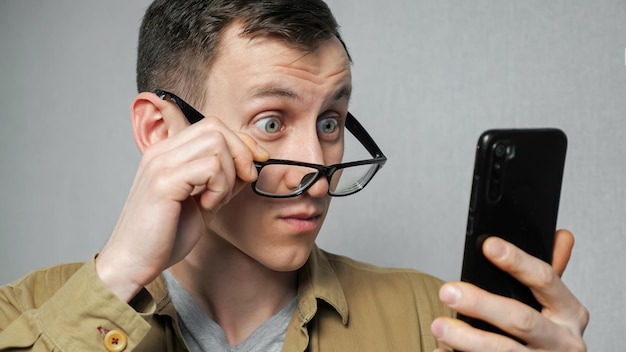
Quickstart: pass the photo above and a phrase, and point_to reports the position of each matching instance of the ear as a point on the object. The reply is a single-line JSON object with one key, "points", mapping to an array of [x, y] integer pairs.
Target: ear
{"points": [[148, 119]]}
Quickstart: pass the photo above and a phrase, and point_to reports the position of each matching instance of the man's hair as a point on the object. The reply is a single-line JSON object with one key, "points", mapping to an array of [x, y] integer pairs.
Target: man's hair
{"points": [[179, 39]]}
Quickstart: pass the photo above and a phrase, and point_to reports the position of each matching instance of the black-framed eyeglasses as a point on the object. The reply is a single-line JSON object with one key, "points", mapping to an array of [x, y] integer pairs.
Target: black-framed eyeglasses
{"points": [[343, 179]]}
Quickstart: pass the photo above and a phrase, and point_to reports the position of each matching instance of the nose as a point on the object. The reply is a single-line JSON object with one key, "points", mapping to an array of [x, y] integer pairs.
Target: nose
{"points": [[319, 188], [306, 147]]}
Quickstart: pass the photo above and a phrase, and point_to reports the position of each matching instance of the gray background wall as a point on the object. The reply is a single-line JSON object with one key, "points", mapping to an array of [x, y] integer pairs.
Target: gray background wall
{"points": [[429, 76]]}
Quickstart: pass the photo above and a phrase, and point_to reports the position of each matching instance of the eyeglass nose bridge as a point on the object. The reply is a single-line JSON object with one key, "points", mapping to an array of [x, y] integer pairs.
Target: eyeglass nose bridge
{"points": [[310, 179]]}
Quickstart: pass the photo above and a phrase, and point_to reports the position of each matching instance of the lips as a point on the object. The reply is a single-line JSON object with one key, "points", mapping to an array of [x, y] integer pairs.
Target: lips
{"points": [[303, 220], [302, 216]]}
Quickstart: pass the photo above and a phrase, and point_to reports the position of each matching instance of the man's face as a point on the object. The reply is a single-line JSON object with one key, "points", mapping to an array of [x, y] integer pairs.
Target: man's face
{"points": [[288, 101]]}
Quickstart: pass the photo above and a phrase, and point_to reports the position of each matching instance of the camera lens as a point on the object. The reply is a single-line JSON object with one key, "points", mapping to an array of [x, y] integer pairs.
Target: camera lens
{"points": [[500, 149]]}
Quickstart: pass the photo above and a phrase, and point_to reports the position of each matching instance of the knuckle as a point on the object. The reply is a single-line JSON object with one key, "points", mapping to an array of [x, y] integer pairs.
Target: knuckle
{"points": [[583, 318], [525, 322], [209, 121], [210, 126], [544, 277], [212, 163], [213, 125], [243, 162], [214, 139]]}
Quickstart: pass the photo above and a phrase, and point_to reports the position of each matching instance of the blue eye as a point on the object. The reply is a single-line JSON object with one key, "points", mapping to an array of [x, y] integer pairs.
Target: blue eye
{"points": [[269, 124], [327, 125]]}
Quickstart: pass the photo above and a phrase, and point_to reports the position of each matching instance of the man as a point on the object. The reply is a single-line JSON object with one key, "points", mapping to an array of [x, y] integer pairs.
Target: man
{"points": [[242, 108]]}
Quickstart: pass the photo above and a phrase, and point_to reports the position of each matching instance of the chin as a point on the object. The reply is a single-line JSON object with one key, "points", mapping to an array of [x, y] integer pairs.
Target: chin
{"points": [[285, 259]]}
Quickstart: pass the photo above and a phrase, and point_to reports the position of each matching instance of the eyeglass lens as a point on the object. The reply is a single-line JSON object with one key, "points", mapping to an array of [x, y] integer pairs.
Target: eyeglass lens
{"points": [[284, 180]]}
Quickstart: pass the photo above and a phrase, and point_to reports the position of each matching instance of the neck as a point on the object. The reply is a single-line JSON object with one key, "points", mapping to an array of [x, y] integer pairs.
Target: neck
{"points": [[235, 290]]}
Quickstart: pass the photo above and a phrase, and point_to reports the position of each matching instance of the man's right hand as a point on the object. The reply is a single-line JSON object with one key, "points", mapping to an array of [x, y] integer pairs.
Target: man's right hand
{"points": [[185, 175]]}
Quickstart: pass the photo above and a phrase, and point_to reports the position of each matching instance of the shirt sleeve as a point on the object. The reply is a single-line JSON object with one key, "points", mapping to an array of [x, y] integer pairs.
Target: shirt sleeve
{"points": [[68, 308]]}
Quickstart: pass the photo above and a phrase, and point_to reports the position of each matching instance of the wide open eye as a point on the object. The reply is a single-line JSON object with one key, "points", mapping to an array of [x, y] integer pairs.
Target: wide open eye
{"points": [[269, 124], [327, 125]]}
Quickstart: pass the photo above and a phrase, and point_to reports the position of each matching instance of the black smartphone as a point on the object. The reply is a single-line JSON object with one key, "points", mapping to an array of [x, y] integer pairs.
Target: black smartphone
{"points": [[515, 195]]}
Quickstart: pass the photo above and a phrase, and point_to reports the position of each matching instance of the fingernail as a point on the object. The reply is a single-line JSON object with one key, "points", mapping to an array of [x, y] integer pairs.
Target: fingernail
{"points": [[253, 172], [450, 294], [438, 328], [495, 249]]}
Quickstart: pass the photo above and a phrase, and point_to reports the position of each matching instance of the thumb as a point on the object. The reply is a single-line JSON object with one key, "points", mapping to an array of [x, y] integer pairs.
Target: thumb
{"points": [[563, 245], [259, 153]]}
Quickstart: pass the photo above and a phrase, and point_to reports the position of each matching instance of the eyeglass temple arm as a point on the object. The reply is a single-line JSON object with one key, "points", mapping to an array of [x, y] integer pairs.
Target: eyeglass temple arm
{"points": [[355, 127], [190, 113]]}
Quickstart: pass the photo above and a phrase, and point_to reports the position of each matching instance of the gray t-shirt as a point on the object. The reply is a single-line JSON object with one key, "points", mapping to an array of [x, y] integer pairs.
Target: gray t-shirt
{"points": [[202, 334]]}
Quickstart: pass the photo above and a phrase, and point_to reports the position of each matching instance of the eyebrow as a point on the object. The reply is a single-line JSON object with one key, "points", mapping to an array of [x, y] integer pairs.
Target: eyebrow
{"points": [[343, 92], [273, 90]]}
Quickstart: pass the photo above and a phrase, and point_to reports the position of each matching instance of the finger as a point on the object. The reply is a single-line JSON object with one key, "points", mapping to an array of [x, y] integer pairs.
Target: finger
{"points": [[462, 337], [184, 147], [558, 301], [563, 245], [243, 150], [217, 192], [508, 314], [205, 173], [243, 153], [208, 154], [259, 153], [247, 150]]}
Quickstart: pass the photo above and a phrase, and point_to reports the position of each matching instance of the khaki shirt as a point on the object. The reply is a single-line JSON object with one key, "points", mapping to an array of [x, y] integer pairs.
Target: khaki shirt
{"points": [[343, 305]]}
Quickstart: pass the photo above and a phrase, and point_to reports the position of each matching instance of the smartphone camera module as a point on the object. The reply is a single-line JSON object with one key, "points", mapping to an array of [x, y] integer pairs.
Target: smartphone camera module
{"points": [[501, 153], [500, 150]]}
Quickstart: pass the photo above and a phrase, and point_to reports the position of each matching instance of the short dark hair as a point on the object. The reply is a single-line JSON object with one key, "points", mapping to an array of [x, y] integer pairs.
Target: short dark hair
{"points": [[179, 39]]}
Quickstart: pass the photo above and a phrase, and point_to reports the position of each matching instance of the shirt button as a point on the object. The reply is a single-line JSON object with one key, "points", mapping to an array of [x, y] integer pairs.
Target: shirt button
{"points": [[115, 341]]}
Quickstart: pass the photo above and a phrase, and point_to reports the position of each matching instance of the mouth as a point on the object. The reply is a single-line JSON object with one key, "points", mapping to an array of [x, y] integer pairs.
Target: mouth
{"points": [[303, 221]]}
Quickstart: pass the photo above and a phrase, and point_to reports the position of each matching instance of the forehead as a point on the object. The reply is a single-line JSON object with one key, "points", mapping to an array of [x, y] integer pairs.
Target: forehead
{"points": [[262, 57]]}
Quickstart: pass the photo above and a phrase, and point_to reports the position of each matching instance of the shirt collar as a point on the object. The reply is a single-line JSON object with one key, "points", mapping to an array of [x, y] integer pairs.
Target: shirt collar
{"points": [[317, 280]]}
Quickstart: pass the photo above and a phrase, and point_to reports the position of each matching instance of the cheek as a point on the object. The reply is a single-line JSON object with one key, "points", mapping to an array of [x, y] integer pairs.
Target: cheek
{"points": [[333, 153], [241, 218]]}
